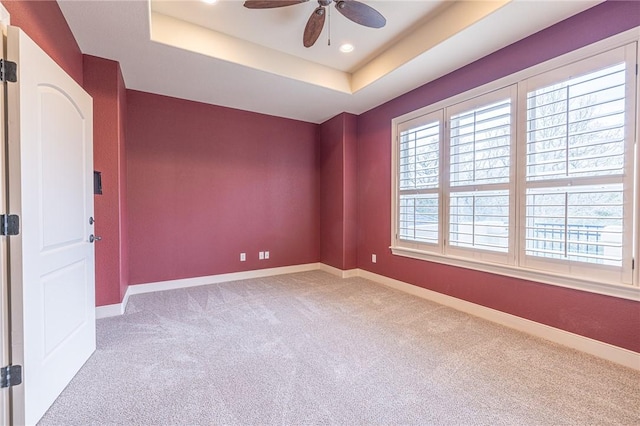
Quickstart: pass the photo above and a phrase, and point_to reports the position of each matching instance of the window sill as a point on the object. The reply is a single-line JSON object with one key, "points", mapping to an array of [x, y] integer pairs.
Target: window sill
{"points": [[608, 289]]}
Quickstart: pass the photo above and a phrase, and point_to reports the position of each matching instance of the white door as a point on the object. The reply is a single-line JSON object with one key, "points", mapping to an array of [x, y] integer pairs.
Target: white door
{"points": [[52, 260]]}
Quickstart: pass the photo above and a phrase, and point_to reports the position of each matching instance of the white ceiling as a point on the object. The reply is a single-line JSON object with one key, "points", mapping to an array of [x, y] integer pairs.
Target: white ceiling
{"points": [[281, 29], [225, 54]]}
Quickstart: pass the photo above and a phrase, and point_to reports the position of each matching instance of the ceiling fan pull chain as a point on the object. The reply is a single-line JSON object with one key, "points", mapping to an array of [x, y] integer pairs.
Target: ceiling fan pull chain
{"points": [[329, 35]]}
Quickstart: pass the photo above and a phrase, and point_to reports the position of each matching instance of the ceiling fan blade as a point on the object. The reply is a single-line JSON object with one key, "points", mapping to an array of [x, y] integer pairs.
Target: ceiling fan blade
{"points": [[361, 13], [270, 4], [314, 26]]}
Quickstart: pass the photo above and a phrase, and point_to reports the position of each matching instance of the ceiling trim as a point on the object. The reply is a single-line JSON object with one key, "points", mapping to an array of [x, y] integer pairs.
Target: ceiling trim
{"points": [[442, 27], [121, 31], [450, 21], [184, 35]]}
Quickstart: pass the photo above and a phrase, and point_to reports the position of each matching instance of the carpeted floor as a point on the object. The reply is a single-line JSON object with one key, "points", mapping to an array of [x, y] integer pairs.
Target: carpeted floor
{"points": [[310, 348]]}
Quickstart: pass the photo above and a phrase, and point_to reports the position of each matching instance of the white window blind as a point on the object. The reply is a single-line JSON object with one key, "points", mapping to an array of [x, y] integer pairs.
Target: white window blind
{"points": [[481, 145], [419, 180], [480, 220], [420, 157], [419, 218], [576, 127], [577, 174], [480, 139], [579, 224]]}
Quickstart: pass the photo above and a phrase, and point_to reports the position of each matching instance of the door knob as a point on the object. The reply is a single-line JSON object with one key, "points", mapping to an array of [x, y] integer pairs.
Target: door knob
{"points": [[93, 238]]}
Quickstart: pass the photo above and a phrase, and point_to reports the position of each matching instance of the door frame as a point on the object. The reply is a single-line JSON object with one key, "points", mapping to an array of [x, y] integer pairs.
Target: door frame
{"points": [[5, 343], [5, 305]]}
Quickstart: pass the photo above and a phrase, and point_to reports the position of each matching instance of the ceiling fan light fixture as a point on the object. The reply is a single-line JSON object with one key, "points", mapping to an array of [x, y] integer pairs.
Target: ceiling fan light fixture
{"points": [[346, 48], [353, 10]]}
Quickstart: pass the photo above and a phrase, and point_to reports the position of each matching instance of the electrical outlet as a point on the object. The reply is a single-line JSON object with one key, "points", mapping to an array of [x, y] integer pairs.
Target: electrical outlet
{"points": [[261, 255], [374, 259], [266, 254], [243, 257]]}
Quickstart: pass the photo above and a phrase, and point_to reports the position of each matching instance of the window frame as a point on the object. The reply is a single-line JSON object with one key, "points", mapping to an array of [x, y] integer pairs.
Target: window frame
{"points": [[414, 122], [628, 286], [510, 92], [623, 274]]}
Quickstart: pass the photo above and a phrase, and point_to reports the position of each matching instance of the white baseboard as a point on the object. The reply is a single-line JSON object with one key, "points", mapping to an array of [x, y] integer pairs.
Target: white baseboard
{"points": [[114, 310], [584, 344], [107, 311], [119, 308], [338, 272], [221, 278]]}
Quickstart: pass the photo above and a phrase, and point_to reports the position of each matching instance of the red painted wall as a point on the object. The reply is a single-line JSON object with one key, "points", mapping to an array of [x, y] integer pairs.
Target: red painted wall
{"points": [[103, 81], [122, 186], [612, 320], [331, 158], [45, 24], [350, 191], [206, 183], [337, 159]]}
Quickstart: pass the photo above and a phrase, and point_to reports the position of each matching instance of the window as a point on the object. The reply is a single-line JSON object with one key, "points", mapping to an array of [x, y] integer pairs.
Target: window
{"points": [[419, 180], [579, 169], [531, 179], [480, 142]]}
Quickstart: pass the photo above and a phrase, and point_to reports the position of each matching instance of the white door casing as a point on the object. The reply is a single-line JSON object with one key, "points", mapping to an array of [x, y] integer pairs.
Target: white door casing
{"points": [[4, 293], [51, 261]]}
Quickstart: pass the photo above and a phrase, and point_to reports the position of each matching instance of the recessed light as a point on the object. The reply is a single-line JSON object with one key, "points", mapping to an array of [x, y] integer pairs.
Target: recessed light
{"points": [[210, 1], [346, 48]]}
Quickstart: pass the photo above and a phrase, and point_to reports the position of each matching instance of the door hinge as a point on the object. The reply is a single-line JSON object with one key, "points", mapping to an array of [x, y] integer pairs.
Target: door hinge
{"points": [[9, 224], [8, 71], [10, 375]]}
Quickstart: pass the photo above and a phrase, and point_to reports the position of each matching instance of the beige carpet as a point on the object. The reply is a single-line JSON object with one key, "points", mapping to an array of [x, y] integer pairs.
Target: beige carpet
{"points": [[311, 348]]}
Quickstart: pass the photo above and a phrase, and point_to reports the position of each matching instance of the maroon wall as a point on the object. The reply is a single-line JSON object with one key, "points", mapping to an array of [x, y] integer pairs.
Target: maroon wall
{"points": [[206, 183], [122, 186], [44, 23], [603, 318], [337, 159], [350, 191], [331, 192], [103, 81]]}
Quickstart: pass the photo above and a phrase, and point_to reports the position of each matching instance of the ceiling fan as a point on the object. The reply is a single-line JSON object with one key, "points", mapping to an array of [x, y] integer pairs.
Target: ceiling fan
{"points": [[356, 11]]}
